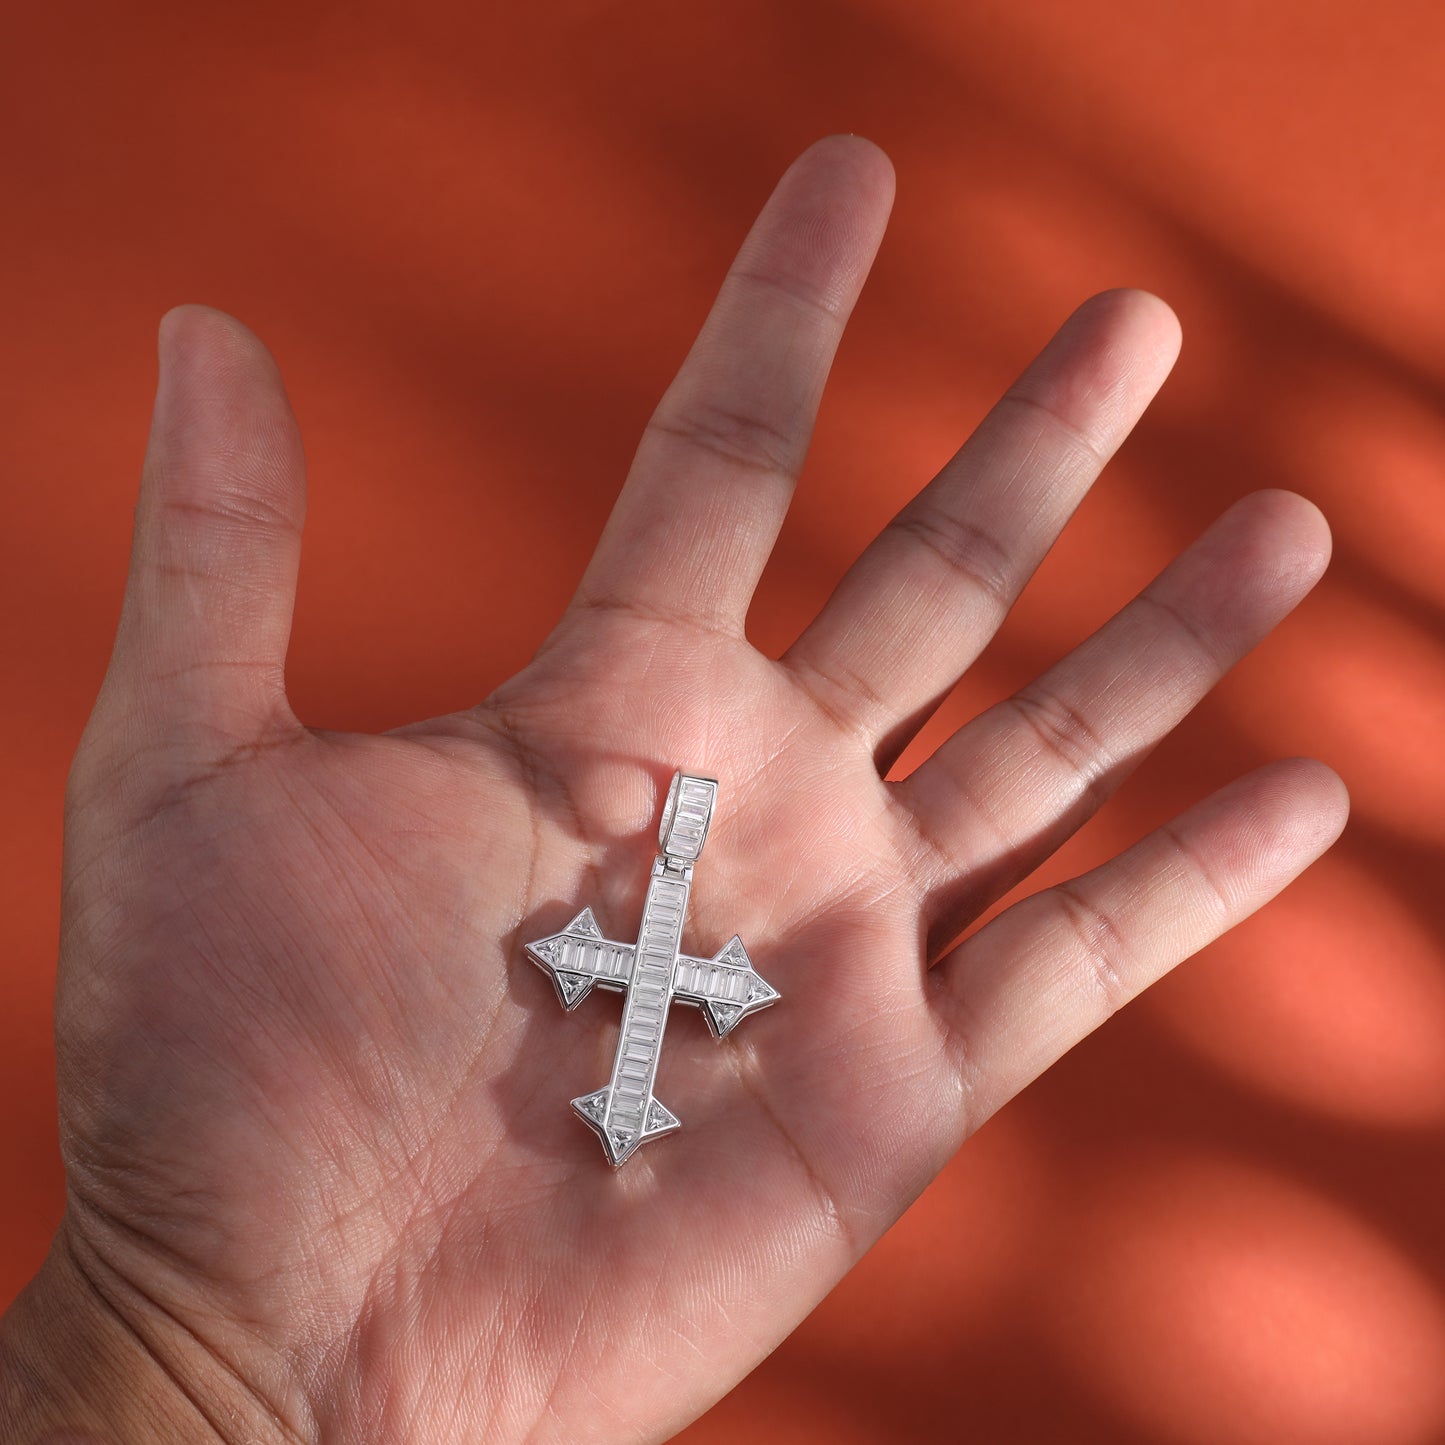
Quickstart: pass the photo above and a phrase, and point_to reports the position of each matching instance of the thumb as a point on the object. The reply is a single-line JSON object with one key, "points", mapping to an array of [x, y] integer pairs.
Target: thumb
{"points": [[201, 646]]}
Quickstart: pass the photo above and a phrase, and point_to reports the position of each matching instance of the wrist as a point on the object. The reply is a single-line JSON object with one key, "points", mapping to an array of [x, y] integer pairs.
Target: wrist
{"points": [[79, 1368]]}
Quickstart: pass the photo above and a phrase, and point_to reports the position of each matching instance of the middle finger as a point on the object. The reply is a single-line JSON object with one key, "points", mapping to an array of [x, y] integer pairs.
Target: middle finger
{"points": [[925, 598]]}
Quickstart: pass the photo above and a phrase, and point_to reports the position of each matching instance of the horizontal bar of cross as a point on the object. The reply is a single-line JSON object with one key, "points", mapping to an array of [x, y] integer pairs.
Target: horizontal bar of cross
{"points": [[725, 987]]}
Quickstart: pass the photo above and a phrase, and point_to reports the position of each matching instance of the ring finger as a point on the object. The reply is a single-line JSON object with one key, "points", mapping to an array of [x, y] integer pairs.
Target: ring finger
{"points": [[1004, 791]]}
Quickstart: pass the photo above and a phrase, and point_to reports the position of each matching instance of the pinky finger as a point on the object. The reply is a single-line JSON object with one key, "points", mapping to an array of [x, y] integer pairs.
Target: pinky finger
{"points": [[1021, 992]]}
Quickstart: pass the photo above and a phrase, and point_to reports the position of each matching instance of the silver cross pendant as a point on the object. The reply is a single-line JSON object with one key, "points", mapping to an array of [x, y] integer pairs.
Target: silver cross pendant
{"points": [[652, 972]]}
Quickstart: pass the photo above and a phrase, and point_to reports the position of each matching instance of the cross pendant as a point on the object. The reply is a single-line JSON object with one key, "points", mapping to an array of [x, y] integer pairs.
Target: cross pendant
{"points": [[652, 972]]}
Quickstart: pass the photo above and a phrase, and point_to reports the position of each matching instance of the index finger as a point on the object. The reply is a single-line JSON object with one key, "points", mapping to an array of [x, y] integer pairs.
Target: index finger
{"points": [[717, 464]]}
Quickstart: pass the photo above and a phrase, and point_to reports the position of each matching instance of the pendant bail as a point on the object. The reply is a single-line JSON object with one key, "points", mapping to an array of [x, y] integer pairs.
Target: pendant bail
{"points": [[685, 818]]}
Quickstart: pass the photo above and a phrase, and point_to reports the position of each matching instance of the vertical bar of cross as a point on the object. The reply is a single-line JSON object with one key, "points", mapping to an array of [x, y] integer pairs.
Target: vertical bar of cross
{"points": [[644, 1016]]}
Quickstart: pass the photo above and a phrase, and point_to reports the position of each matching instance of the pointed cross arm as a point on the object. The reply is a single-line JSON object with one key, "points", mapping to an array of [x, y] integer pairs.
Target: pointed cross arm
{"points": [[727, 988]]}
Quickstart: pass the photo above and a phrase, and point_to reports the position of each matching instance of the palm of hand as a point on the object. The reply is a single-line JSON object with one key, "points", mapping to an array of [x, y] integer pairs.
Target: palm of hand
{"points": [[381, 1085], [315, 1102]]}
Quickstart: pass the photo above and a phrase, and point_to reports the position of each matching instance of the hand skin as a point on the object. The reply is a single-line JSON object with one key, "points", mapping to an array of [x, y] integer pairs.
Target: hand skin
{"points": [[322, 1179]]}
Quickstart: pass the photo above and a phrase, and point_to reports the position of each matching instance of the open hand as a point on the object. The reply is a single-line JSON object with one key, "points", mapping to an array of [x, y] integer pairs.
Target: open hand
{"points": [[323, 1179]]}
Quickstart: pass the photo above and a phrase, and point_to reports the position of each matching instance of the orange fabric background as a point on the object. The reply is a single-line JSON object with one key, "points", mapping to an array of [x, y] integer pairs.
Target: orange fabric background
{"points": [[478, 238]]}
